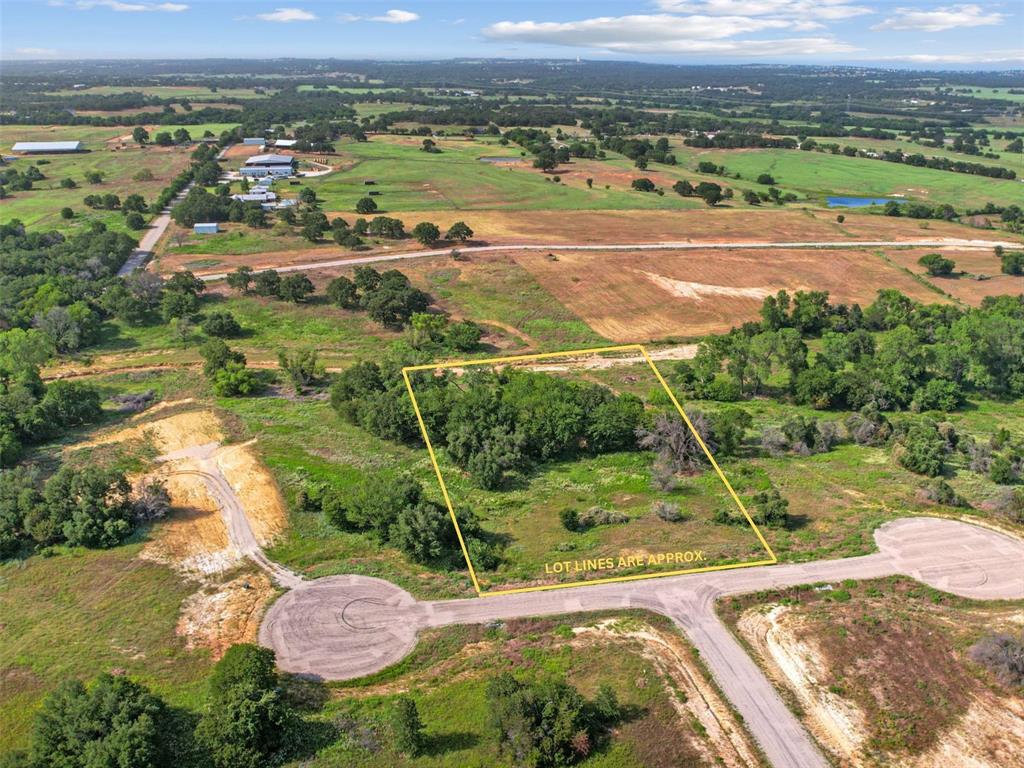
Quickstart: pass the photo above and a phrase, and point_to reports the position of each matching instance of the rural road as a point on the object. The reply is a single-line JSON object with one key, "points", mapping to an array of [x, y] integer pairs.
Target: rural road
{"points": [[343, 627], [156, 230], [148, 242], [944, 242]]}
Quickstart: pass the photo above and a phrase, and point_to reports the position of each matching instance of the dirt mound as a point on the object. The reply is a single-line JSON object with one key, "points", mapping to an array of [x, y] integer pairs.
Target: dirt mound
{"points": [[169, 434]]}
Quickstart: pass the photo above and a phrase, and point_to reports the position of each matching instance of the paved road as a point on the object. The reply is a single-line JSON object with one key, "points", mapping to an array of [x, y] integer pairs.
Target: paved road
{"points": [[942, 242], [344, 627], [157, 227]]}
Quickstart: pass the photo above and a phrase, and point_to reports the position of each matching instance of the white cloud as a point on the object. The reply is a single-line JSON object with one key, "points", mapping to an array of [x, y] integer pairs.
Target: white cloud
{"points": [[991, 57], [121, 7], [797, 9], [36, 53], [285, 15], [665, 33], [391, 17], [396, 17], [940, 19]]}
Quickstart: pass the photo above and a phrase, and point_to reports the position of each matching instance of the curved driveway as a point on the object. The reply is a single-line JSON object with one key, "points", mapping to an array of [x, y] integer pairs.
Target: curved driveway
{"points": [[343, 627]]}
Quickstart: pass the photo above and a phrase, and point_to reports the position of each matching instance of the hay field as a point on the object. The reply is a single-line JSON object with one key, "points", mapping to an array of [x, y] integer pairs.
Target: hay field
{"points": [[641, 296]]}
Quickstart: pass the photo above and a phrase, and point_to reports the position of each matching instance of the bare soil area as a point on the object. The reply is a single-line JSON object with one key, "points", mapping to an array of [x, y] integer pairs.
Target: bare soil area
{"points": [[965, 287], [878, 673], [641, 296], [194, 538]]}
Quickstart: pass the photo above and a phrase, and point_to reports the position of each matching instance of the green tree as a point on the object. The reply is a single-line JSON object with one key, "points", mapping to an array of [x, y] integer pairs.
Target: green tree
{"points": [[937, 265], [90, 505], [922, 450], [140, 135], [115, 722], [643, 185], [426, 233], [240, 279], [223, 325], [459, 231], [217, 354], [295, 288], [267, 284], [245, 718], [407, 727], [366, 205], [303, 366], [235, 380], [177, 304]]}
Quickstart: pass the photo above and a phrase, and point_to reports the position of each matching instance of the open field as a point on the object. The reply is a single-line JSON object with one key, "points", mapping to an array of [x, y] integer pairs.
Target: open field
{"points": [[640, 296], [109, 151], [676, 715], [497, 227], [83, 612], [1013, 160], [412, 180], [818, 175], [968, 288], [878, 671], [368, 88]]}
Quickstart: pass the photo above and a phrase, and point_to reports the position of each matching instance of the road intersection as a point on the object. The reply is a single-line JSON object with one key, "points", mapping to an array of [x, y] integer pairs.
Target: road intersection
{"points": [[343, 627]]}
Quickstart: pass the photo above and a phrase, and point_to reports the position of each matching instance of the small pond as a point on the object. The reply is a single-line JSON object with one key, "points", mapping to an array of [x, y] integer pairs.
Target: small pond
{"points": [[504, 160], [858, 202]]}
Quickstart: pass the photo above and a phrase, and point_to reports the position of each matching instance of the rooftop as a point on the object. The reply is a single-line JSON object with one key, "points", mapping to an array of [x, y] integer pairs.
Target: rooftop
{"points": [[270, 160], [47, 146]]}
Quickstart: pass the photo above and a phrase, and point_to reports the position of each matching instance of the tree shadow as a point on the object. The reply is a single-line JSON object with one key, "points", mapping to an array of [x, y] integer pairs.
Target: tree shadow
{"points": [[796, 522], [438, 744]]}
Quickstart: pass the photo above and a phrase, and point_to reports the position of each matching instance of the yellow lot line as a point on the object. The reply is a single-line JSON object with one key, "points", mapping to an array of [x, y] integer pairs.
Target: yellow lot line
{"points": [[772, 559]]}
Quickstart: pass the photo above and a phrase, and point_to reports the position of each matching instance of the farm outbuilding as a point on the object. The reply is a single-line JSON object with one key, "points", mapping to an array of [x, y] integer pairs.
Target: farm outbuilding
{"points": [[208, 228], [285, 143], [46, 147], [254, 141], [268, 165]]}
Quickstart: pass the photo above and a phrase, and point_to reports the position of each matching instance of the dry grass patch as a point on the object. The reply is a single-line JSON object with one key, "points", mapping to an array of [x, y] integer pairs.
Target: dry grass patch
{"points": [[639, 296]]}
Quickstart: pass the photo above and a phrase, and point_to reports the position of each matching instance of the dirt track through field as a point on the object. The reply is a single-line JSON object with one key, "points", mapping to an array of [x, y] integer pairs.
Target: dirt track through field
{"points": [[943, 242]]}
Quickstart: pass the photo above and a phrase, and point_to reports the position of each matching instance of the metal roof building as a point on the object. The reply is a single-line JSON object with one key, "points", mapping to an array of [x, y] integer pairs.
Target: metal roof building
{"points": [[285, 143], [270, 160], [206, 228], [35, 147], [268, 165]]}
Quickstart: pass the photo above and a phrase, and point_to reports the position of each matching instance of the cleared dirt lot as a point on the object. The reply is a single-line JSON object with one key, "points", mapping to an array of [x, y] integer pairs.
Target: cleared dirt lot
{"points": [[640, 296], [881, 675]]}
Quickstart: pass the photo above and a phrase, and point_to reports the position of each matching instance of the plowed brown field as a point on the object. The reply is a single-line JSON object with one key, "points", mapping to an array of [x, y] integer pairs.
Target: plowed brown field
{"points": [[641, 296]]}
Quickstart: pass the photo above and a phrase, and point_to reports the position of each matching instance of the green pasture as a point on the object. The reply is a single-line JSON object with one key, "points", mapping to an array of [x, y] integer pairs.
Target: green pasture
{"points": [[818, 175], [82, 612], [1013, 160], [41, 205], [373, 108], [456, 179], [366, 89]]}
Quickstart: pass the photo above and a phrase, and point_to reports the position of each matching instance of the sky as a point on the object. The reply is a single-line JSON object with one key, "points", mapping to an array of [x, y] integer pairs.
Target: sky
{"points": [[917, 33]]}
